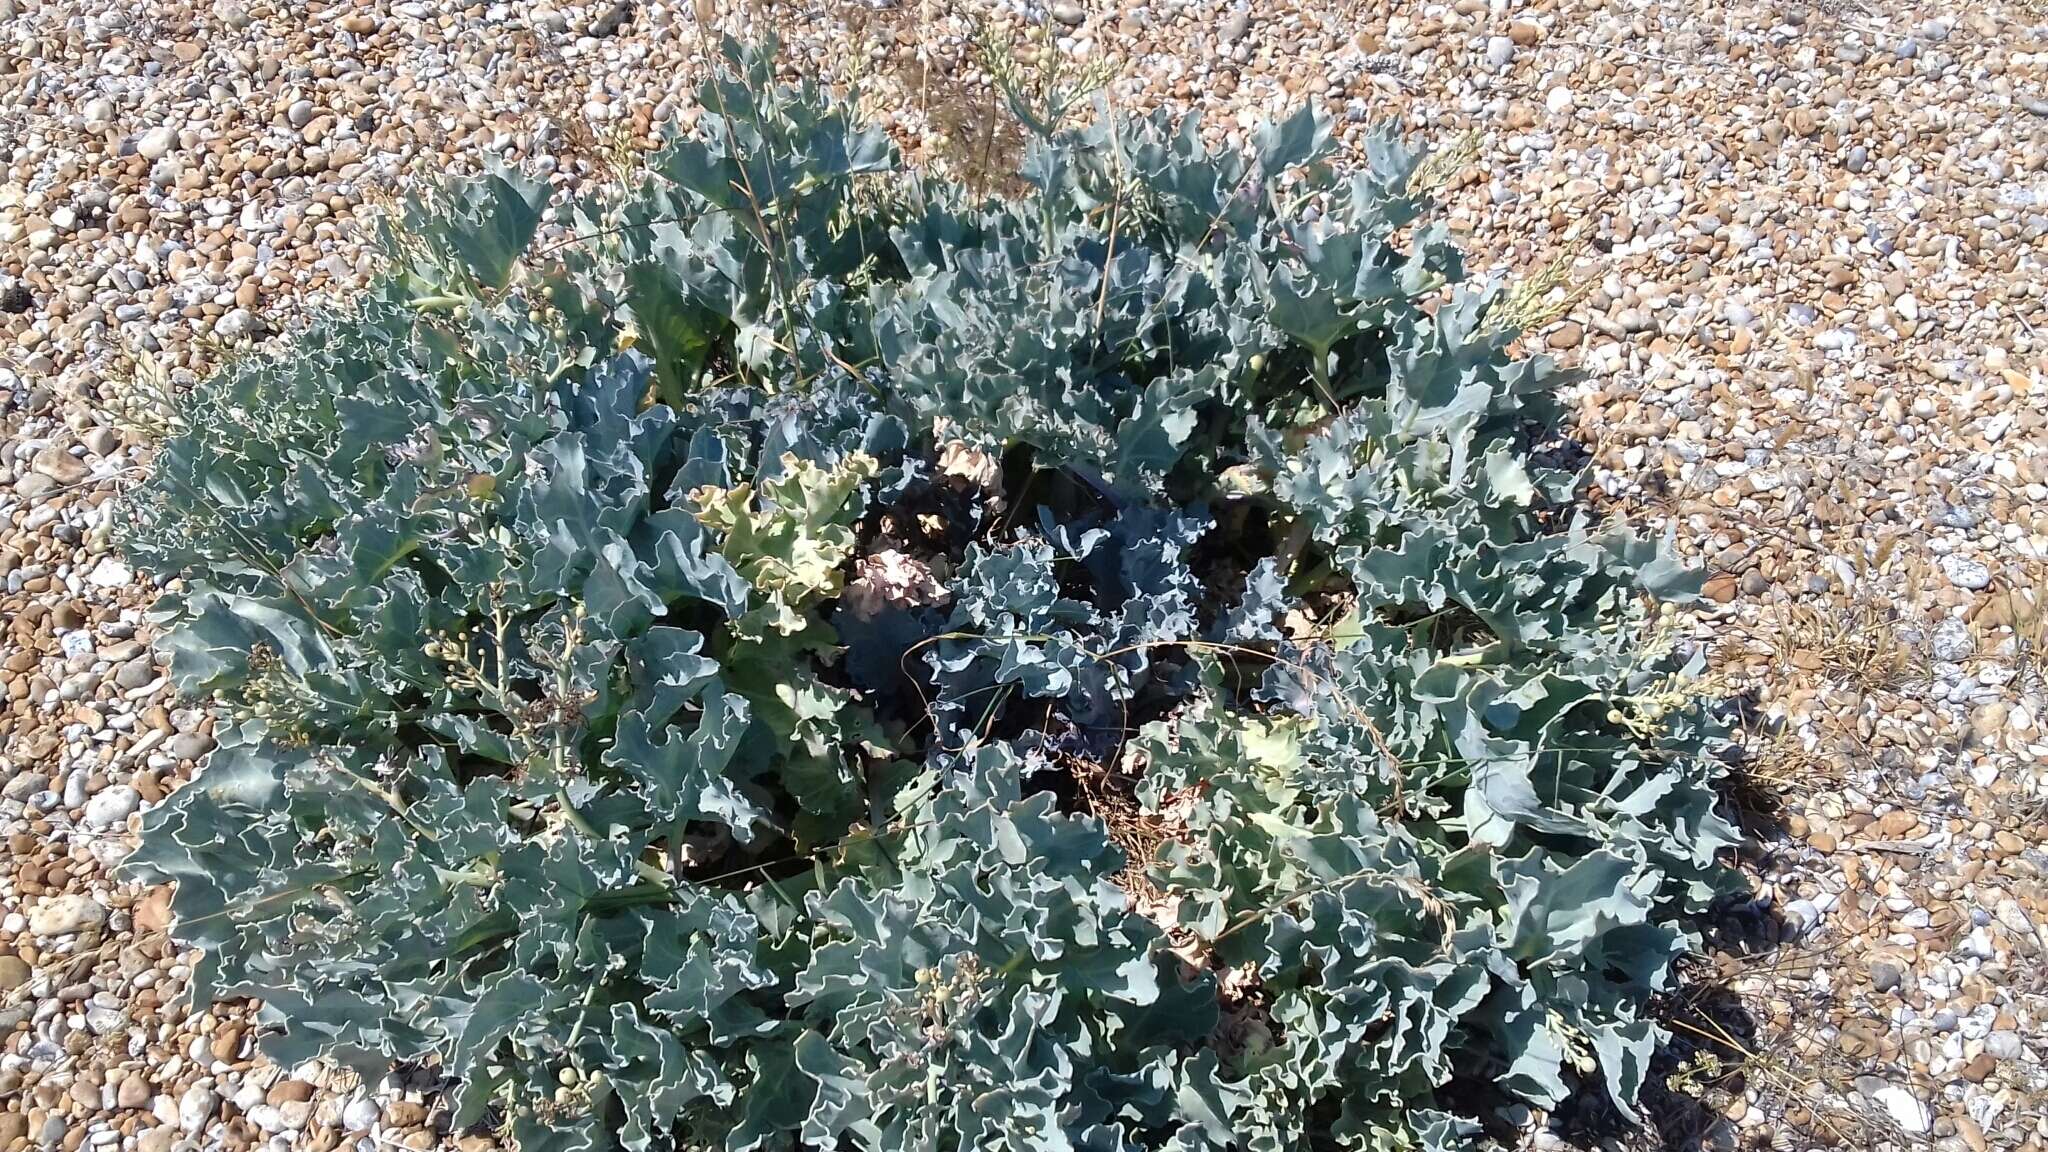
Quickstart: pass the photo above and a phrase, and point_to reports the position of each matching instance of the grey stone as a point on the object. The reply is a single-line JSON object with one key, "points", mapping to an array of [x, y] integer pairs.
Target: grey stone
{"points": [[237, 323], [112, 807], [1886, 973], [195, 1108], [1966, 573], [359, 1114], [188, 745], [1802, 916], [157, 143], [25, 785], [1953, 641], [2004, 1044], [1908, 1111]]}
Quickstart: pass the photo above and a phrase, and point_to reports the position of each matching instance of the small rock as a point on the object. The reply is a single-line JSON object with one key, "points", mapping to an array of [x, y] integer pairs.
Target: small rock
{"points": [[1500, 51], [1886, 973], [189, 745], [1908, 1111], [154, 913], [134, 1092], [227, 1043], [25, 785], [1953, 641], [359, 1114], [237, 323], [195, 1108], [66, 915], [405, 1113], [288, 1091], [1860, 1040], [157, 143], [60, 465], [612, 19], [1802, 916], [1965, 573], [112, 807], [1987, 723], [1234, 26], [110, 573], [14, 972], [2004, 1044], [1069, 13]]}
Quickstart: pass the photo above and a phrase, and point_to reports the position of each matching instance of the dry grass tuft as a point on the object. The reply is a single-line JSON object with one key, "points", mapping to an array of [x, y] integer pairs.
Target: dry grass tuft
{"points": [[981, 143], [1735, 1063], [1856, 645], [1111, 797]]}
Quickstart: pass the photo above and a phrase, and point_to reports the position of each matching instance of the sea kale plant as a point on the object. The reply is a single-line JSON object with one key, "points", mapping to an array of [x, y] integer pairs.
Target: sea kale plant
{"points": [[812, 656]]}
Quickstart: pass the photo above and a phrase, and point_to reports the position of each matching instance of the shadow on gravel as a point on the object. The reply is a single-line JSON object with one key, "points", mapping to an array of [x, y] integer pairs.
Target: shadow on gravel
{"points": [[1714, 1036]]}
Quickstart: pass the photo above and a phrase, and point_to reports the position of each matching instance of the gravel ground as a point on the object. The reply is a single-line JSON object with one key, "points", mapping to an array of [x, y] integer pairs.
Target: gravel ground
{"points": [[1810, 242]]}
